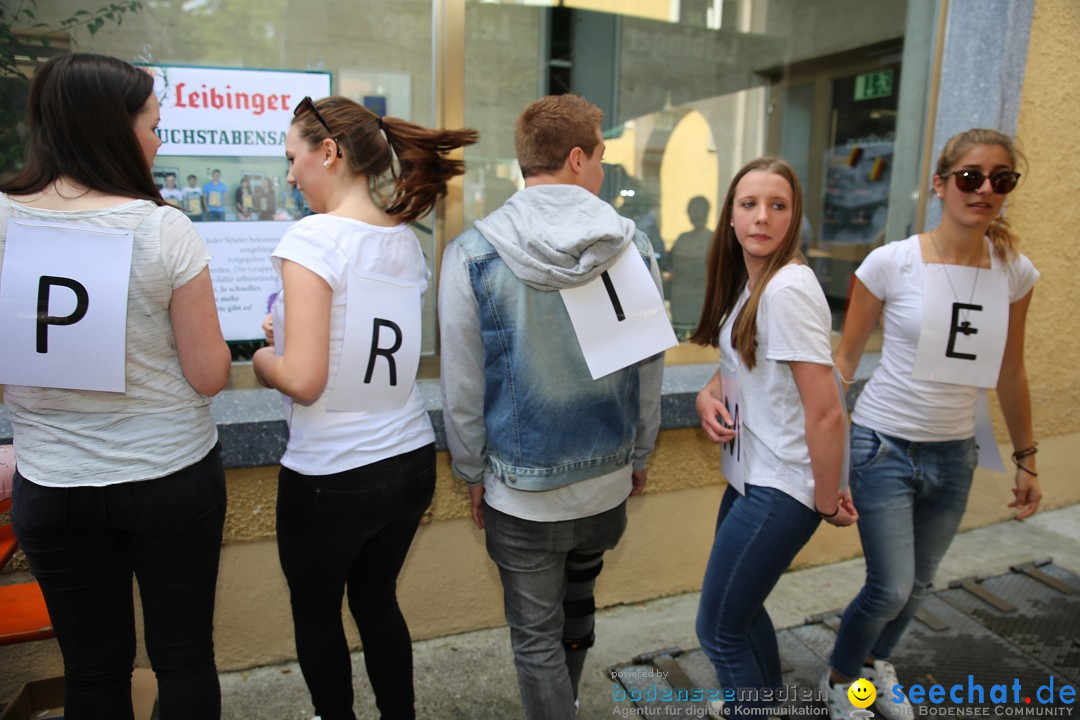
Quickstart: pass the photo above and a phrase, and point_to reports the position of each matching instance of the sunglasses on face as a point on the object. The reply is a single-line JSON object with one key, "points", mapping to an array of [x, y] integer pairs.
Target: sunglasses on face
{"points": [[307, 104], [1002, 182]]}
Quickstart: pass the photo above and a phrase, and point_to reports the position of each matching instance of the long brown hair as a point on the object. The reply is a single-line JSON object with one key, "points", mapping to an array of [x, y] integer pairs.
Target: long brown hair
{"points": [[81, 117], [727, 268], [1002, 238], [422, 170]]}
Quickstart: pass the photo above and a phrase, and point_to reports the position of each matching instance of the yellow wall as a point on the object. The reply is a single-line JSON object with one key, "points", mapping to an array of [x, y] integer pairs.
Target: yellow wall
{"points": [[1046, 214]]}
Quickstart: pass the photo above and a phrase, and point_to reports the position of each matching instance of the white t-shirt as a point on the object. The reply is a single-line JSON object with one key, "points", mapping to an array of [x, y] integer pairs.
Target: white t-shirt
{"points": [[793, 325], [893, 402], [569, 502], [159, 424], [322, 442]]}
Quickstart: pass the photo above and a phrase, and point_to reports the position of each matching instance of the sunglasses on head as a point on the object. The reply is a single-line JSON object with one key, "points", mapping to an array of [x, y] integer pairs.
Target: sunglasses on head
{"points": [[308, 104], [1002, 182]]}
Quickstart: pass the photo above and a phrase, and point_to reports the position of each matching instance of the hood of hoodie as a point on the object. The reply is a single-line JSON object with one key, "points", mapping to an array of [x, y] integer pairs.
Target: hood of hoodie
{"points": [[554, 237]]}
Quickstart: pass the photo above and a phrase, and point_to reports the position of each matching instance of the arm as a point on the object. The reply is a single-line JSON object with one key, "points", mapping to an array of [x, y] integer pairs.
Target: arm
{"points": [[462, 377], [825, 439], [862, 314], [1015, 399], [302, 371], [204, 357]]}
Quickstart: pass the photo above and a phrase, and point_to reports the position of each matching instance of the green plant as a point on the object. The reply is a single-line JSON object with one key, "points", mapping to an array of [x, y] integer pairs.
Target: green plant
{"points": [[20, 35]]}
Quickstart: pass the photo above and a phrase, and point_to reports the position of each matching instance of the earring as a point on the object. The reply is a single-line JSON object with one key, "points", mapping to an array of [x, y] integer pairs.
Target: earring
{"points": [[326, 163]]}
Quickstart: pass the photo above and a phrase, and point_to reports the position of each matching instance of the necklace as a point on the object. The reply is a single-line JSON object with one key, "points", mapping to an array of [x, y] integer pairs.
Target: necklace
{"points": [[965, 325]]}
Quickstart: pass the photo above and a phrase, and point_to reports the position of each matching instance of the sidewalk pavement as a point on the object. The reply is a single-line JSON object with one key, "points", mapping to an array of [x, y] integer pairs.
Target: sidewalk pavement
{"points": [[471, 676]]}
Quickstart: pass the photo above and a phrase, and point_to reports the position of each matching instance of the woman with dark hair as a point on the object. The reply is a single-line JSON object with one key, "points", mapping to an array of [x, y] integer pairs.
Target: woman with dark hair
{"points": [[359, 469], [766, 312], [245, 200], [111, 485], [913, 452], [266, 199]]}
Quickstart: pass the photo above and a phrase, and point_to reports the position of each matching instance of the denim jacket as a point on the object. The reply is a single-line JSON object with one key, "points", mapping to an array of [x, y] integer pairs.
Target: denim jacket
{"points": [[534, 417]]}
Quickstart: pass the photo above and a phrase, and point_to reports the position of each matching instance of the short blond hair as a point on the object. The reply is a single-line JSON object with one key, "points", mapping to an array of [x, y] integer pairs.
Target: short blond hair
{"points": [[548, 129]]}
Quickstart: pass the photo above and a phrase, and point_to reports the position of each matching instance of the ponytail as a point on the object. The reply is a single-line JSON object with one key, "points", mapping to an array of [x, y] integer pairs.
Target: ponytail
{"points": [[422, 169], [423, 166]]}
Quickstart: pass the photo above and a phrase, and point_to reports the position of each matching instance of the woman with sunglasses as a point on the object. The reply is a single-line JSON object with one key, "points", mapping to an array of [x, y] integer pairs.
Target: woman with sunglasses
{"points": [[354, 482], [913, 450]]}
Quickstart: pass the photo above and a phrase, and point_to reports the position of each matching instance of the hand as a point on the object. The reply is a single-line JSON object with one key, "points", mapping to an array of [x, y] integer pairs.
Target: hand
{"points": [[268, 328], [639, 478], [715, 419], [7, 470], [476, 496], [847, 514], [1026, 495]]}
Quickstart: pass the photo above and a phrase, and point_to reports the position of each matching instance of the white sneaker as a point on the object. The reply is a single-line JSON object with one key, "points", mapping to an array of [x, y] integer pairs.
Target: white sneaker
{"points": [[836, 699], [883, 675]]}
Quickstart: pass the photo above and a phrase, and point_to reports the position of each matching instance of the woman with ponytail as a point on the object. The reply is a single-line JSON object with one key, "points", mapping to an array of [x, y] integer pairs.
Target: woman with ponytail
{"points": [[765, 310], [359, 471], [913, 451]]}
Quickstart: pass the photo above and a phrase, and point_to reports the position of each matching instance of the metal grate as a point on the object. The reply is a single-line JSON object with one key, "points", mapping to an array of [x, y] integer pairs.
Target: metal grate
{"points": [[966, 632]]}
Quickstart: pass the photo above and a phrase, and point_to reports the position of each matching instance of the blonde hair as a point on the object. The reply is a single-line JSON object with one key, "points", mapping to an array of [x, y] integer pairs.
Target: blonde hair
{"points": [[727, 268], [1002, 238]]}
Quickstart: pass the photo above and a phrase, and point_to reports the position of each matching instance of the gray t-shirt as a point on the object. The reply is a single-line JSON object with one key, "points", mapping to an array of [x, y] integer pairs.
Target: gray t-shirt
{"points": [[159, 424]]}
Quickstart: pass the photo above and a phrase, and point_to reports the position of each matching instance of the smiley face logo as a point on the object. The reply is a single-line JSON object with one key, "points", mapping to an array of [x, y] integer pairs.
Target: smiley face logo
{"points": [[862, 693]]}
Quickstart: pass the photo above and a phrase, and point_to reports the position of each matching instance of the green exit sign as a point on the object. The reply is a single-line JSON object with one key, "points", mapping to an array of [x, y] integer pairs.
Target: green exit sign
{"points": [[873, 85]]}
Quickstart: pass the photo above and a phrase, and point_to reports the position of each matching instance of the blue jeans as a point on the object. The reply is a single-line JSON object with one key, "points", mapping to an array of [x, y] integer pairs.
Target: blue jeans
{"points": [[548, 571], [352, 530], [911, 497], [84, 545], [757, 537]]}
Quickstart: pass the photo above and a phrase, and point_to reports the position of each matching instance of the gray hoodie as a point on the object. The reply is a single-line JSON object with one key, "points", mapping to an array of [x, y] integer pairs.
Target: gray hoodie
{"points": [[557, 236]]}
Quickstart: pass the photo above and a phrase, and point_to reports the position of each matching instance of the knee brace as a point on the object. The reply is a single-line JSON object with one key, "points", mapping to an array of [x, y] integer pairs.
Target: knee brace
{"points": [[582, 643], [582, 567]]}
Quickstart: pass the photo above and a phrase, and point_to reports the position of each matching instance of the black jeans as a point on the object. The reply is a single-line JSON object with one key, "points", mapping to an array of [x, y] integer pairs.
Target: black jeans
{"points": [[353, 529], [84, 545]]}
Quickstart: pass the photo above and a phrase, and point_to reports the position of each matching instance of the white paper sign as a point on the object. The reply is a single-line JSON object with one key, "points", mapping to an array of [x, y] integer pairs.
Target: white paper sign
{"points": [[619, 317], [732, 461], [962, 341], [244, 278], [63, 305], [989, 453], [230, 112], [381, 351]]}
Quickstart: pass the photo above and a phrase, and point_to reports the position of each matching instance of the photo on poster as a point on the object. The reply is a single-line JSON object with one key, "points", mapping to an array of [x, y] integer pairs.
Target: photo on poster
{"points": [[222, 163]]}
